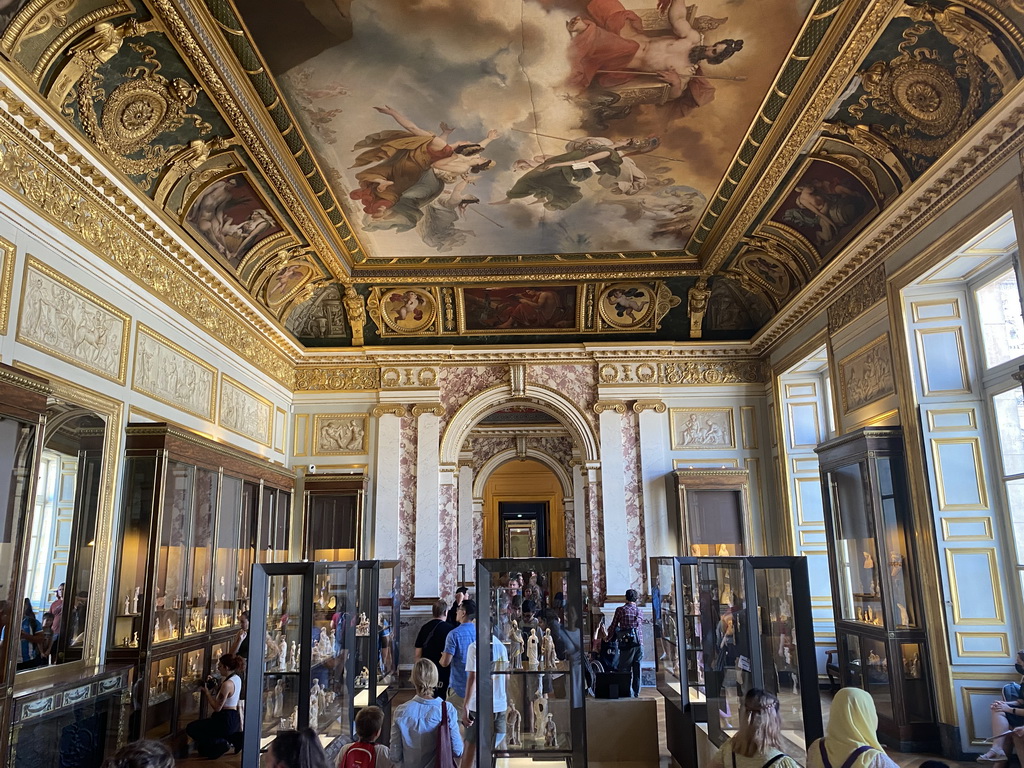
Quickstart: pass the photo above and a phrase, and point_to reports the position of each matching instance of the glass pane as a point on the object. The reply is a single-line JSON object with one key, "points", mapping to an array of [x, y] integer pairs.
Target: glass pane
{"points": [[190, 694], [328, 697], [714, 523], [666, 619], [855, 546], [901, 583], [1009, 413], [282, 520], [915, 683], [16, 464], [247, 542], [198, 598], [282, 678], [725, 640], [133, 547], [332, 526], [225, 610], [999, 311], [160, 709], [173, 544], [1015, 500]]}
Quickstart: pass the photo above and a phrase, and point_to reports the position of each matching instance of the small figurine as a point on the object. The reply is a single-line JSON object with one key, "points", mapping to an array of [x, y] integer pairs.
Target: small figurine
{"points": [[136, 598], [279, 698], [295, 658], [540, 709], [550, 731], [723, 551], [515, 649], [915, 666], [548, 652], [282, 655], [170, 628], [532, 644], [874, 659], [363, 627], [295, 717], [314, 710], [514, 724], [127, 603], [135, 640], [904, 616]]}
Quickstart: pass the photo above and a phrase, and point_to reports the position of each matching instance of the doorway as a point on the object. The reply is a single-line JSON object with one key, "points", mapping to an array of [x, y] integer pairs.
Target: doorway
{"points": [[524, 527]]}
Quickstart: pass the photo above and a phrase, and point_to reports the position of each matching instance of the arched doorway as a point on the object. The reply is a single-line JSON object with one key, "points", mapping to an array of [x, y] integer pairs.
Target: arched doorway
{"points": [[523, 512]]}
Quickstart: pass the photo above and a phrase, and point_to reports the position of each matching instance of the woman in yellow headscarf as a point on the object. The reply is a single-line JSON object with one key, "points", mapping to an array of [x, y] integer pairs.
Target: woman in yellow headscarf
{"points": [[850, 741]]}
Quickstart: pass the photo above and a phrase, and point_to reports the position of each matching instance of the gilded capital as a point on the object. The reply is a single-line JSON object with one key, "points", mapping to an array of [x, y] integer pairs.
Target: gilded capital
{"points": [[395, 409], [421, 409], [649, 405], [609, 405]]}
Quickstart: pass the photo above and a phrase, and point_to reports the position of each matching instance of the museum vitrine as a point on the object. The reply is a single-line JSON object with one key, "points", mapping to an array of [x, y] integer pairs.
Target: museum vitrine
{"points": [[334, 516], [882, 643], [724, 625], [709, 510], [191, 513], [536, 665], [325, 643]]}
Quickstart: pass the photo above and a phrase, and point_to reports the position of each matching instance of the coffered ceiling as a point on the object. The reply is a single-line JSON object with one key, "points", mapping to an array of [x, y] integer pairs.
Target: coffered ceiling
{"points": [[517, 171]]}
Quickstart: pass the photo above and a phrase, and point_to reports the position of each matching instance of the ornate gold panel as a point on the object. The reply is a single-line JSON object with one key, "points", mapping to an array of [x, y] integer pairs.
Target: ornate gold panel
{"points": [[931, 310], [945, 419], [7, 256], [172, 381], [958, 469], [1000, 653], [339, 434], [949, 525], [280, 429], [702, 429], [245, 412], [987, 696], [974, 588], [866, 375], [748, 427], [961, 355], [300, 435]]}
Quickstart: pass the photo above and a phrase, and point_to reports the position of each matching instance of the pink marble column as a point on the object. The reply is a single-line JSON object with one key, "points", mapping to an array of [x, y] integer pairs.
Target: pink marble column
{"points": [[448, 529], [407, 509]]}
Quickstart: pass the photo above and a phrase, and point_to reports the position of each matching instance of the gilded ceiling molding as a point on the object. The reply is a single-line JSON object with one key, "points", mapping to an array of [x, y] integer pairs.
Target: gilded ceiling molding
{"points": [[731, 372], [609, 405], [421, 409], [649, 405], [393, 408], [1000, 139], [211, 67], [627, 373], [826, 90], [343, 379], [858, 299], [408, 377], [68, 190]]}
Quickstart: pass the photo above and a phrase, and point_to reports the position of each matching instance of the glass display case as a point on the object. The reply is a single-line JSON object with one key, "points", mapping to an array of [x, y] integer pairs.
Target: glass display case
{"points": [[882, 645], [724, 625], [334, 517], [537, 665], [330, 643], [709, 511], [182, 575]]}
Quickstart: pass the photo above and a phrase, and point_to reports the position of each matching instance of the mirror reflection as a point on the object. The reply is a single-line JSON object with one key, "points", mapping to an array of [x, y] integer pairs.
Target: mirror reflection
{"points": [[61, 537]]}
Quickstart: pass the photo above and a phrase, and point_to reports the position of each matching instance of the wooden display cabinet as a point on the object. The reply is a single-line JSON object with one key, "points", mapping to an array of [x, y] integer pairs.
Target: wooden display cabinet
{"points": [[710, 511]]}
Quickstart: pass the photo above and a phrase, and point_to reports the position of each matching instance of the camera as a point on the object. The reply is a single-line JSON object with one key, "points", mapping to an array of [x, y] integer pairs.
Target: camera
{"points": [[212, 683]]}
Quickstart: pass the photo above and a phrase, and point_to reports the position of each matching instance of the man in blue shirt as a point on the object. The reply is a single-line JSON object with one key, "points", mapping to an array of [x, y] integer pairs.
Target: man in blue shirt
{"points": [[456, 647]]}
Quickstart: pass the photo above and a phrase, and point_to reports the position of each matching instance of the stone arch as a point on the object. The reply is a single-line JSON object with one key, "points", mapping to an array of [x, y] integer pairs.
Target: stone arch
{"points": [[500, 459], [494, 399]]}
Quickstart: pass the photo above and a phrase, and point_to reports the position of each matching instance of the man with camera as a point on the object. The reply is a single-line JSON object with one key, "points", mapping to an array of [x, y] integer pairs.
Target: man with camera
{"points": [[627, 630]]}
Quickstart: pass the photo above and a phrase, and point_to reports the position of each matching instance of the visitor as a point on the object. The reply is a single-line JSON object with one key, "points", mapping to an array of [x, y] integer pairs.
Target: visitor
{"points": [[57, 609], [850, 740], [499, 702], [1007, 716], [296, 749], [29, 627], [42, 640], [213, 735], [146, 753], [758, 741], [430, 643], [627, 629], [240, 642], [369, 721], [456, 646], [460, 594], [415, 724]]}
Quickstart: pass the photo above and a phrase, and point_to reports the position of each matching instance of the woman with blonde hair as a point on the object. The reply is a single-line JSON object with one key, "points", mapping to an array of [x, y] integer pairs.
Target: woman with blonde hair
{"points": [[758, 742], [850, 741], [415, 724]]}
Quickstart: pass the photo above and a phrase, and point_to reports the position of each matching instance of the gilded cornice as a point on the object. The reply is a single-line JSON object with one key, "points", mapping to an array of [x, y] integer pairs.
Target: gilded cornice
{"points": [[25, 382], [821, 95], [408, 377], [342, 379], [221, 79], [43, 170], [998, 139], [865, 294], [732, 372]]}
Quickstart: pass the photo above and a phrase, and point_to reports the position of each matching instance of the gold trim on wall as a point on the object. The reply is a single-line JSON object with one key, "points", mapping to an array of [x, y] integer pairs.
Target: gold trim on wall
{"points": [[957, 333], [143, 330], [8, 255], [1004, 644], [698, 434], [748, 427], [971, 424], [954, 313], [978, 473], [73, 334], [995, 586], [264, 439], [948, 535], [966, 692], [300, 446], [706, 463]]}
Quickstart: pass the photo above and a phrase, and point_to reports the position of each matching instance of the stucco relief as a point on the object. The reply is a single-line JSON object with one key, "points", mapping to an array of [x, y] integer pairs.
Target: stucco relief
{"points": [[866, 375], [407, 507], [702, 428], [339, 434], [636, 535], [245, 412], [168, 373], [67, 321]]}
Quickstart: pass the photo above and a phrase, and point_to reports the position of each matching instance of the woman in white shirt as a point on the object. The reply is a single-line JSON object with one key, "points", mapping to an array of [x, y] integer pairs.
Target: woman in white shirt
{"points": [[213, 734], [415, 724], [758, 742], [850, 741]]}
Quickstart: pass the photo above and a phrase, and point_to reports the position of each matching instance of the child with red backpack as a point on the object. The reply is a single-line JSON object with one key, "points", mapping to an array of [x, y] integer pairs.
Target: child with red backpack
{"points": [[364, 752]]}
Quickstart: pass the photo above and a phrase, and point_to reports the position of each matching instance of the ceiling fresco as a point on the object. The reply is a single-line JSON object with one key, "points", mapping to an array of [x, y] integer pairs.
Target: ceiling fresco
{"points": [[537, 171]]}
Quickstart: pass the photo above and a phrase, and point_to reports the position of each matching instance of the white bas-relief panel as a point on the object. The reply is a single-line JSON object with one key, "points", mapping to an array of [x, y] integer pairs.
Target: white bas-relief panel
{"points": [[244, 412], [339, 434], [63, 319], [702, 428], [170, 374]]}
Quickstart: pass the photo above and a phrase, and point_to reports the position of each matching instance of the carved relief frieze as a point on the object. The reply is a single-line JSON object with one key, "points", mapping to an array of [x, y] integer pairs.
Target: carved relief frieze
{"points": [[628, 373], [245, 412], [339, 434], [171, 374], [63, 319], [866, 293], [353, 378], [702, 428], [713, 372], [410, 377], [866, 375]]}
